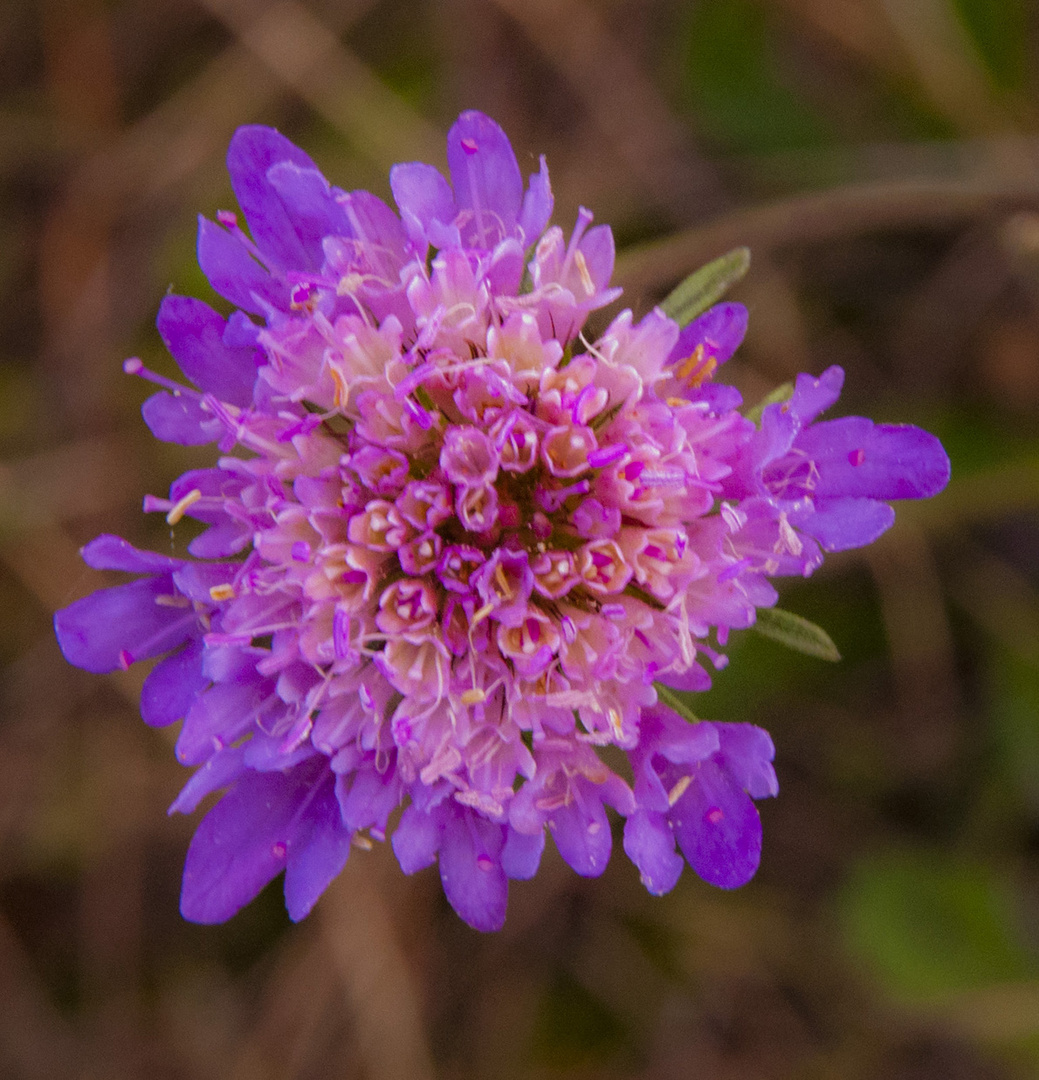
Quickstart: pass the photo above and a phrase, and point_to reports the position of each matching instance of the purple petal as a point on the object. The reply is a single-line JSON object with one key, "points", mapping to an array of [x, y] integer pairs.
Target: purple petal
{"points": [[172, 686], [368, 797], [226, 538], [108, 552], [269, 753], [813, 396], [856, 457], [694, 679], [215, 483], [599, 253], [718, 828], [317, 854], [779, 427], [537, 205], [718, 397], [219, 771], [685, 743], [650, 844], [113, 628], [242, 843], [194, 334], [416, 839], [234, 273], [521, 856], [195, 580], [483, 167], [747, 753], [720, 330], [240, 332], [840, 524], [180, 419], [422, 196], [217, 718], [253, 150], [443, 237], [376, 223], [311, 205], [231, 663], [470, 869], [582, 833], [505, 270]]}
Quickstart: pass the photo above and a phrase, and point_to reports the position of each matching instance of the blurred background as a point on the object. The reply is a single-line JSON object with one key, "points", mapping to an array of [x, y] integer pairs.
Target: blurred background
{"points": [[881, 158]]}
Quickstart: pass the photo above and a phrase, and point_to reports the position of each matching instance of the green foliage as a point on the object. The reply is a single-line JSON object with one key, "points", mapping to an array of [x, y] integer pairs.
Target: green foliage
{"points": [[977, 439], [796, 633], [781, 393], [735, 85], [775, 678], [675, 701], [929, 925], [706, 286], [573, 1027], [658, 942], [998, 29], [1015, 720]]}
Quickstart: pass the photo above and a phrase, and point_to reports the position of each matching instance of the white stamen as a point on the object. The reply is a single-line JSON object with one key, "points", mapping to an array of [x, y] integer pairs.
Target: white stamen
{"points": [[582, 269], [166, 600]]}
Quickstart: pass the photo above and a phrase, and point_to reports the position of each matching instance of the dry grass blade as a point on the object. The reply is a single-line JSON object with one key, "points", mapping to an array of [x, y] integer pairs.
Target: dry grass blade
{"points": [[297, 995], [947, 67], [623, 103], [922, 649], [376, 976], [821, 217], [309, 59]]}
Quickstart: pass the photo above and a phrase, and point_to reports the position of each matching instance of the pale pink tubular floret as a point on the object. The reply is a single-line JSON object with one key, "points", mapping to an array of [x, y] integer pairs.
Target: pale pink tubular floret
{"points": [[457, 546]]}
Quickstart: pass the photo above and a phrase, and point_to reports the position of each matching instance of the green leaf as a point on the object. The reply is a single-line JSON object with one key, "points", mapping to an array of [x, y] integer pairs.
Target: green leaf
{"points": [[706, 286], [781, 393], [796, 633], [669, 698]]}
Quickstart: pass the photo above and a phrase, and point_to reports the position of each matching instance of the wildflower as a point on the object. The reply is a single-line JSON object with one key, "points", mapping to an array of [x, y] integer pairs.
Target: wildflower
{"points": [[459, 549]]}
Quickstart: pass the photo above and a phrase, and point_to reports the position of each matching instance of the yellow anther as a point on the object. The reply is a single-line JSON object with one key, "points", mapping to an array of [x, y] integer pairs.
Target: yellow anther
{"points": [[502, 580], [221, 592], [697, 367], [473, 697], [703, 373], [180, 508], [678, 790], [690, 363], [359, 840], [340, 391], [481, 615]]}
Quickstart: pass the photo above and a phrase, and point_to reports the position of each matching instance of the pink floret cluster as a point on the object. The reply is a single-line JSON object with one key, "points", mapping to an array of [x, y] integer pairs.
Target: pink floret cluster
{"points": [[458, 547]]}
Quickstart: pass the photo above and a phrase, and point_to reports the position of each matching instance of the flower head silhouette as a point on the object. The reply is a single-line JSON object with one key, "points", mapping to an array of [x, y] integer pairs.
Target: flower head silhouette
{"points": [[458, 548]]}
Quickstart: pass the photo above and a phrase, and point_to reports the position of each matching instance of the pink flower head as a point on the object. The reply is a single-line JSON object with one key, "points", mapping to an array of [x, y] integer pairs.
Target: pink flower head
{"points": [[459, 548]]}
